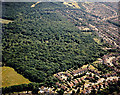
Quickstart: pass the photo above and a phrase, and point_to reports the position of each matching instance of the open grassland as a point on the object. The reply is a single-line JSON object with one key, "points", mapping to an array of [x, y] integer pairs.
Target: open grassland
{"points": [[35, 4], [11, 77], [96, 40], [72, 4], [4, 21], [87, 33], [84, 66]]}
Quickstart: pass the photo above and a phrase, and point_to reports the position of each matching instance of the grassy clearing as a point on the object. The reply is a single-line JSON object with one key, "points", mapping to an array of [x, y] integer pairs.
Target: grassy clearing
{"points": [[96, 40], [34, 4], [87, 33], [72, 4], [11, 77], [4, 21], [84, 66], [92, 67], [96, 62], [88, 2]]}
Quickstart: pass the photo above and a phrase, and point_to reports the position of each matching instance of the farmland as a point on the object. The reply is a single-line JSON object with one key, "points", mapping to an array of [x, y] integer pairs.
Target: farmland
{"points": [[10, 77]]}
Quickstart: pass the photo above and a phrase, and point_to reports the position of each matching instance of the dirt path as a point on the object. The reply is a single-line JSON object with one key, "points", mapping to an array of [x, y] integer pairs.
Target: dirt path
{"points": [[35, 4]]}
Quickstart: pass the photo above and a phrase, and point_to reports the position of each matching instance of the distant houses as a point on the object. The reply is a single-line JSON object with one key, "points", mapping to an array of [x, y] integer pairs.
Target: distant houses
{"points": [[93, 71], [76, 79], [113, 62], [79, 72], [109, 74]]}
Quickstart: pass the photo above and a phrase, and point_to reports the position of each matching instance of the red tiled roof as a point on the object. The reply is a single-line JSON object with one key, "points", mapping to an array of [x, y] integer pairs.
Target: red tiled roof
{"points": [[82, 78], [42, 87], [68, 74], [63, 87], [75, 81], [79, 80], [106, 83], [84, 91], [94, 86], [57, 83], [71, 84], [79, 70]]}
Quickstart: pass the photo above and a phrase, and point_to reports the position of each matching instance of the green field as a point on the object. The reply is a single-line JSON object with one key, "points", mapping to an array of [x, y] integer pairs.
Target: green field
{"points": [[11, 77], [4, 21]]}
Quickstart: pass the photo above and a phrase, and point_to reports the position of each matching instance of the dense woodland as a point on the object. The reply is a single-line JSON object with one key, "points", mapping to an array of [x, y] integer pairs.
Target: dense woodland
{"points": [[41, 41]]}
